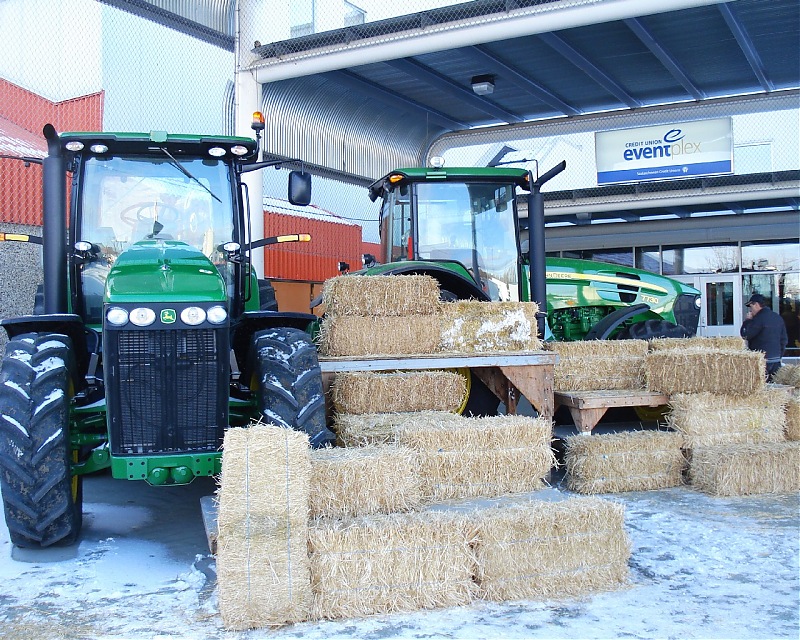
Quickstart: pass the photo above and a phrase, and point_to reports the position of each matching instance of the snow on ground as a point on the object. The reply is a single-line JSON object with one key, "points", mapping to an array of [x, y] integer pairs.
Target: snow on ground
{"points": [[701, 567]]}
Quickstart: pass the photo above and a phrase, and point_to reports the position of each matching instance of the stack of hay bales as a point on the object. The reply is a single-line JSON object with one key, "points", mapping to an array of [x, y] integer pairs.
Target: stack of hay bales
{"points": [[380, 315], [789, 376], [727, 416], [551, 549], [628, 461], [390, 563], [471, 326], [365, 392], [594, 365], [263, 571]]}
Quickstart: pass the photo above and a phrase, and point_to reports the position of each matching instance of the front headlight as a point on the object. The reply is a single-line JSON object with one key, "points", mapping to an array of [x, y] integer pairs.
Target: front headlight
{"points": [[117, 316], [143, 317], [217, 315], [193, 316]]}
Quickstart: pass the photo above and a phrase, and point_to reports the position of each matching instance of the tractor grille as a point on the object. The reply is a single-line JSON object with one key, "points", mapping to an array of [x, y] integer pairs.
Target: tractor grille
{"points": [[686, 312], [167, 390]]}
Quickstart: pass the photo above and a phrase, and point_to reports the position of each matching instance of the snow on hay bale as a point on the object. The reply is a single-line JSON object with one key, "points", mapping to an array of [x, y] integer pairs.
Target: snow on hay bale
{"points": [[629, 461], [551, 549], [380, 428], [724, 343], [708, 419], [368, 392], [388, 563], [746, 469], [381, 295], [699, 370], [472, 326], [379, 335], [594, 365], [479, 457], [263, 570], [363, 481]]}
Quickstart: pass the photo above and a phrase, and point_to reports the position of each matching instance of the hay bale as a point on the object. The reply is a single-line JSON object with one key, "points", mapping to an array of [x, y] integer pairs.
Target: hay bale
{"points": [[389, 563], [712, 343], [379, 335], [630, 461], [699, 370], [479, 457], [353, 295], [708, 419], [368, 392], [363, 481], [596, 365], [788, 374], [263, 572], [471, 326], [746, 469], [380, 428], [551, 549], [792, 428]]}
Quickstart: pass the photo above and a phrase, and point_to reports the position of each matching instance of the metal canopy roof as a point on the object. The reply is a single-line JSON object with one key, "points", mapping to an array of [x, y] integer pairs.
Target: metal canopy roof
{"points": [[701, 52]]}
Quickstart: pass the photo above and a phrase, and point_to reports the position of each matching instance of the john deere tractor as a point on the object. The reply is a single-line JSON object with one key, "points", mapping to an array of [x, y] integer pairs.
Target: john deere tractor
{"points": [[150, 337], [461, 225]]}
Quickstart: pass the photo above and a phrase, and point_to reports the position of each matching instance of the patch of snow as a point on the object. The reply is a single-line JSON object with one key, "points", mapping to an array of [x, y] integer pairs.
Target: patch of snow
{"points": [[21, 391], [16, 423], [48, 364], [53, 396]]}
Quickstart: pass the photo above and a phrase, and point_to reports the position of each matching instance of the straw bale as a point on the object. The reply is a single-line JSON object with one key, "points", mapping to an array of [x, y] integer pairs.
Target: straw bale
{"points": [[628, 461], [369, 392], [788, 374], [708, 419], [380, 428], [793, 419], [546, 550], [595, 365], [263, 570], [479, 457], [388, 563], [746, 469], [363, 481], [700, 370], [353, 295], [472, 326], [379, 335], [713, 343]]}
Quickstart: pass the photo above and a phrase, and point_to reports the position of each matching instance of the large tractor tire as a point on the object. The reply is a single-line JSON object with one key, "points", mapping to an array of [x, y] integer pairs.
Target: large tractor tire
{"points": [[288, 383], [42, 499], [653, 329]]}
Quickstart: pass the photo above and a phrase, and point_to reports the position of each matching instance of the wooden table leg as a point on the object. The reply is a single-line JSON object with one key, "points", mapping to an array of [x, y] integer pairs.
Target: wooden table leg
{"points": [[586, 419], [536, 384]]}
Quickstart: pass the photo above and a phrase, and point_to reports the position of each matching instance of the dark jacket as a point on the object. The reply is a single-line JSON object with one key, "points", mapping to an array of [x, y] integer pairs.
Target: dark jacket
{"points": [[766, 332]]}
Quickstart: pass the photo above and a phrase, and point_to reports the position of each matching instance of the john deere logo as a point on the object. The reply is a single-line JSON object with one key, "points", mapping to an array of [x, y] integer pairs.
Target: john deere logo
{"points": [[168, 316]]}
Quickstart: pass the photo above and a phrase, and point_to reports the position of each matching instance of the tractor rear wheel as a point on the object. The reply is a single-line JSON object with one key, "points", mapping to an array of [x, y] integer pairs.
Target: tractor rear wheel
{"points": [[42, 499], [480, 400], [288, 382], [653, 329]]}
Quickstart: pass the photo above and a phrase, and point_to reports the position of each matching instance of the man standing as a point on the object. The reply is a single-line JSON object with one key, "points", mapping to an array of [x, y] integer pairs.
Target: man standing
{"points": [[765, 331]]}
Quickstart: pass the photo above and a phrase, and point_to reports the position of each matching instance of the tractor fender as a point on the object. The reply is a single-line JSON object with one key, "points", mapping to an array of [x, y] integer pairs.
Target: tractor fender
{"points": [[462, 288], [68, 324], [603, 329]]}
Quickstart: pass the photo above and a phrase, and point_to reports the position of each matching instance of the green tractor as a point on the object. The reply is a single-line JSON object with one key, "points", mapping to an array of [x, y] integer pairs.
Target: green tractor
{"points": [[152, 333], [461, 226]]}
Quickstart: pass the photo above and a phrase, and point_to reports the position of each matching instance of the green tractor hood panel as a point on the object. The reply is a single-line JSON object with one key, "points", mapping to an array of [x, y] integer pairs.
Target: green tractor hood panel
{"points": [[159, 269]]}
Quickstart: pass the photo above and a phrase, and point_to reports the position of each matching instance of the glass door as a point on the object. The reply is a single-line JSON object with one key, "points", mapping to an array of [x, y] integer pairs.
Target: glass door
{"points": [[721, 310]]}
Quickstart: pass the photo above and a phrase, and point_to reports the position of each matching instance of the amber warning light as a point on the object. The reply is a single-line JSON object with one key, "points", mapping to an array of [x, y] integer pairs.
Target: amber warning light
{"points": [[258, 121]]}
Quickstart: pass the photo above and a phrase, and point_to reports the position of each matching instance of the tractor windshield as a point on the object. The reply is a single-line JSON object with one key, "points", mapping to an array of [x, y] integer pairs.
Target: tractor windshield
{"points": [[127, 199], [474, 224]]}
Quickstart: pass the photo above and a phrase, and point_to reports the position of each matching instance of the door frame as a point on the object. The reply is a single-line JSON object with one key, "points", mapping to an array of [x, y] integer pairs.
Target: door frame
{"points": [[700, 281]]}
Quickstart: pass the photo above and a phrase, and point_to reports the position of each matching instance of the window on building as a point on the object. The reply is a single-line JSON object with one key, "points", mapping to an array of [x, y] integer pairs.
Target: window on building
{"points": [[353, 15], [301, 18], [771, 256], [648, 258], [722, 258]]}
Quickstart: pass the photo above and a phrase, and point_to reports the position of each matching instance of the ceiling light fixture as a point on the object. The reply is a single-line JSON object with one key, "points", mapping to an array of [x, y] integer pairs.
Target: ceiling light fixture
{"points": [[483, 85]]}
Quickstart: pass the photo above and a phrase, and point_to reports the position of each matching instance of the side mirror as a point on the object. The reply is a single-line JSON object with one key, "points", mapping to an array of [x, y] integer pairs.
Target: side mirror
{"points": [[300, 188]]}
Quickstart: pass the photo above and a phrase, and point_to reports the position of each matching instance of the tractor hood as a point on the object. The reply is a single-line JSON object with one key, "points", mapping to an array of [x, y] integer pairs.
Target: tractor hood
{"points": [[160, 270]]}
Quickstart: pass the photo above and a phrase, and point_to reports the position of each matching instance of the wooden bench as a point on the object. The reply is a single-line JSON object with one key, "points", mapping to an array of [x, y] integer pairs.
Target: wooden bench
{"points": [[587, 407], [506, 374]]}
